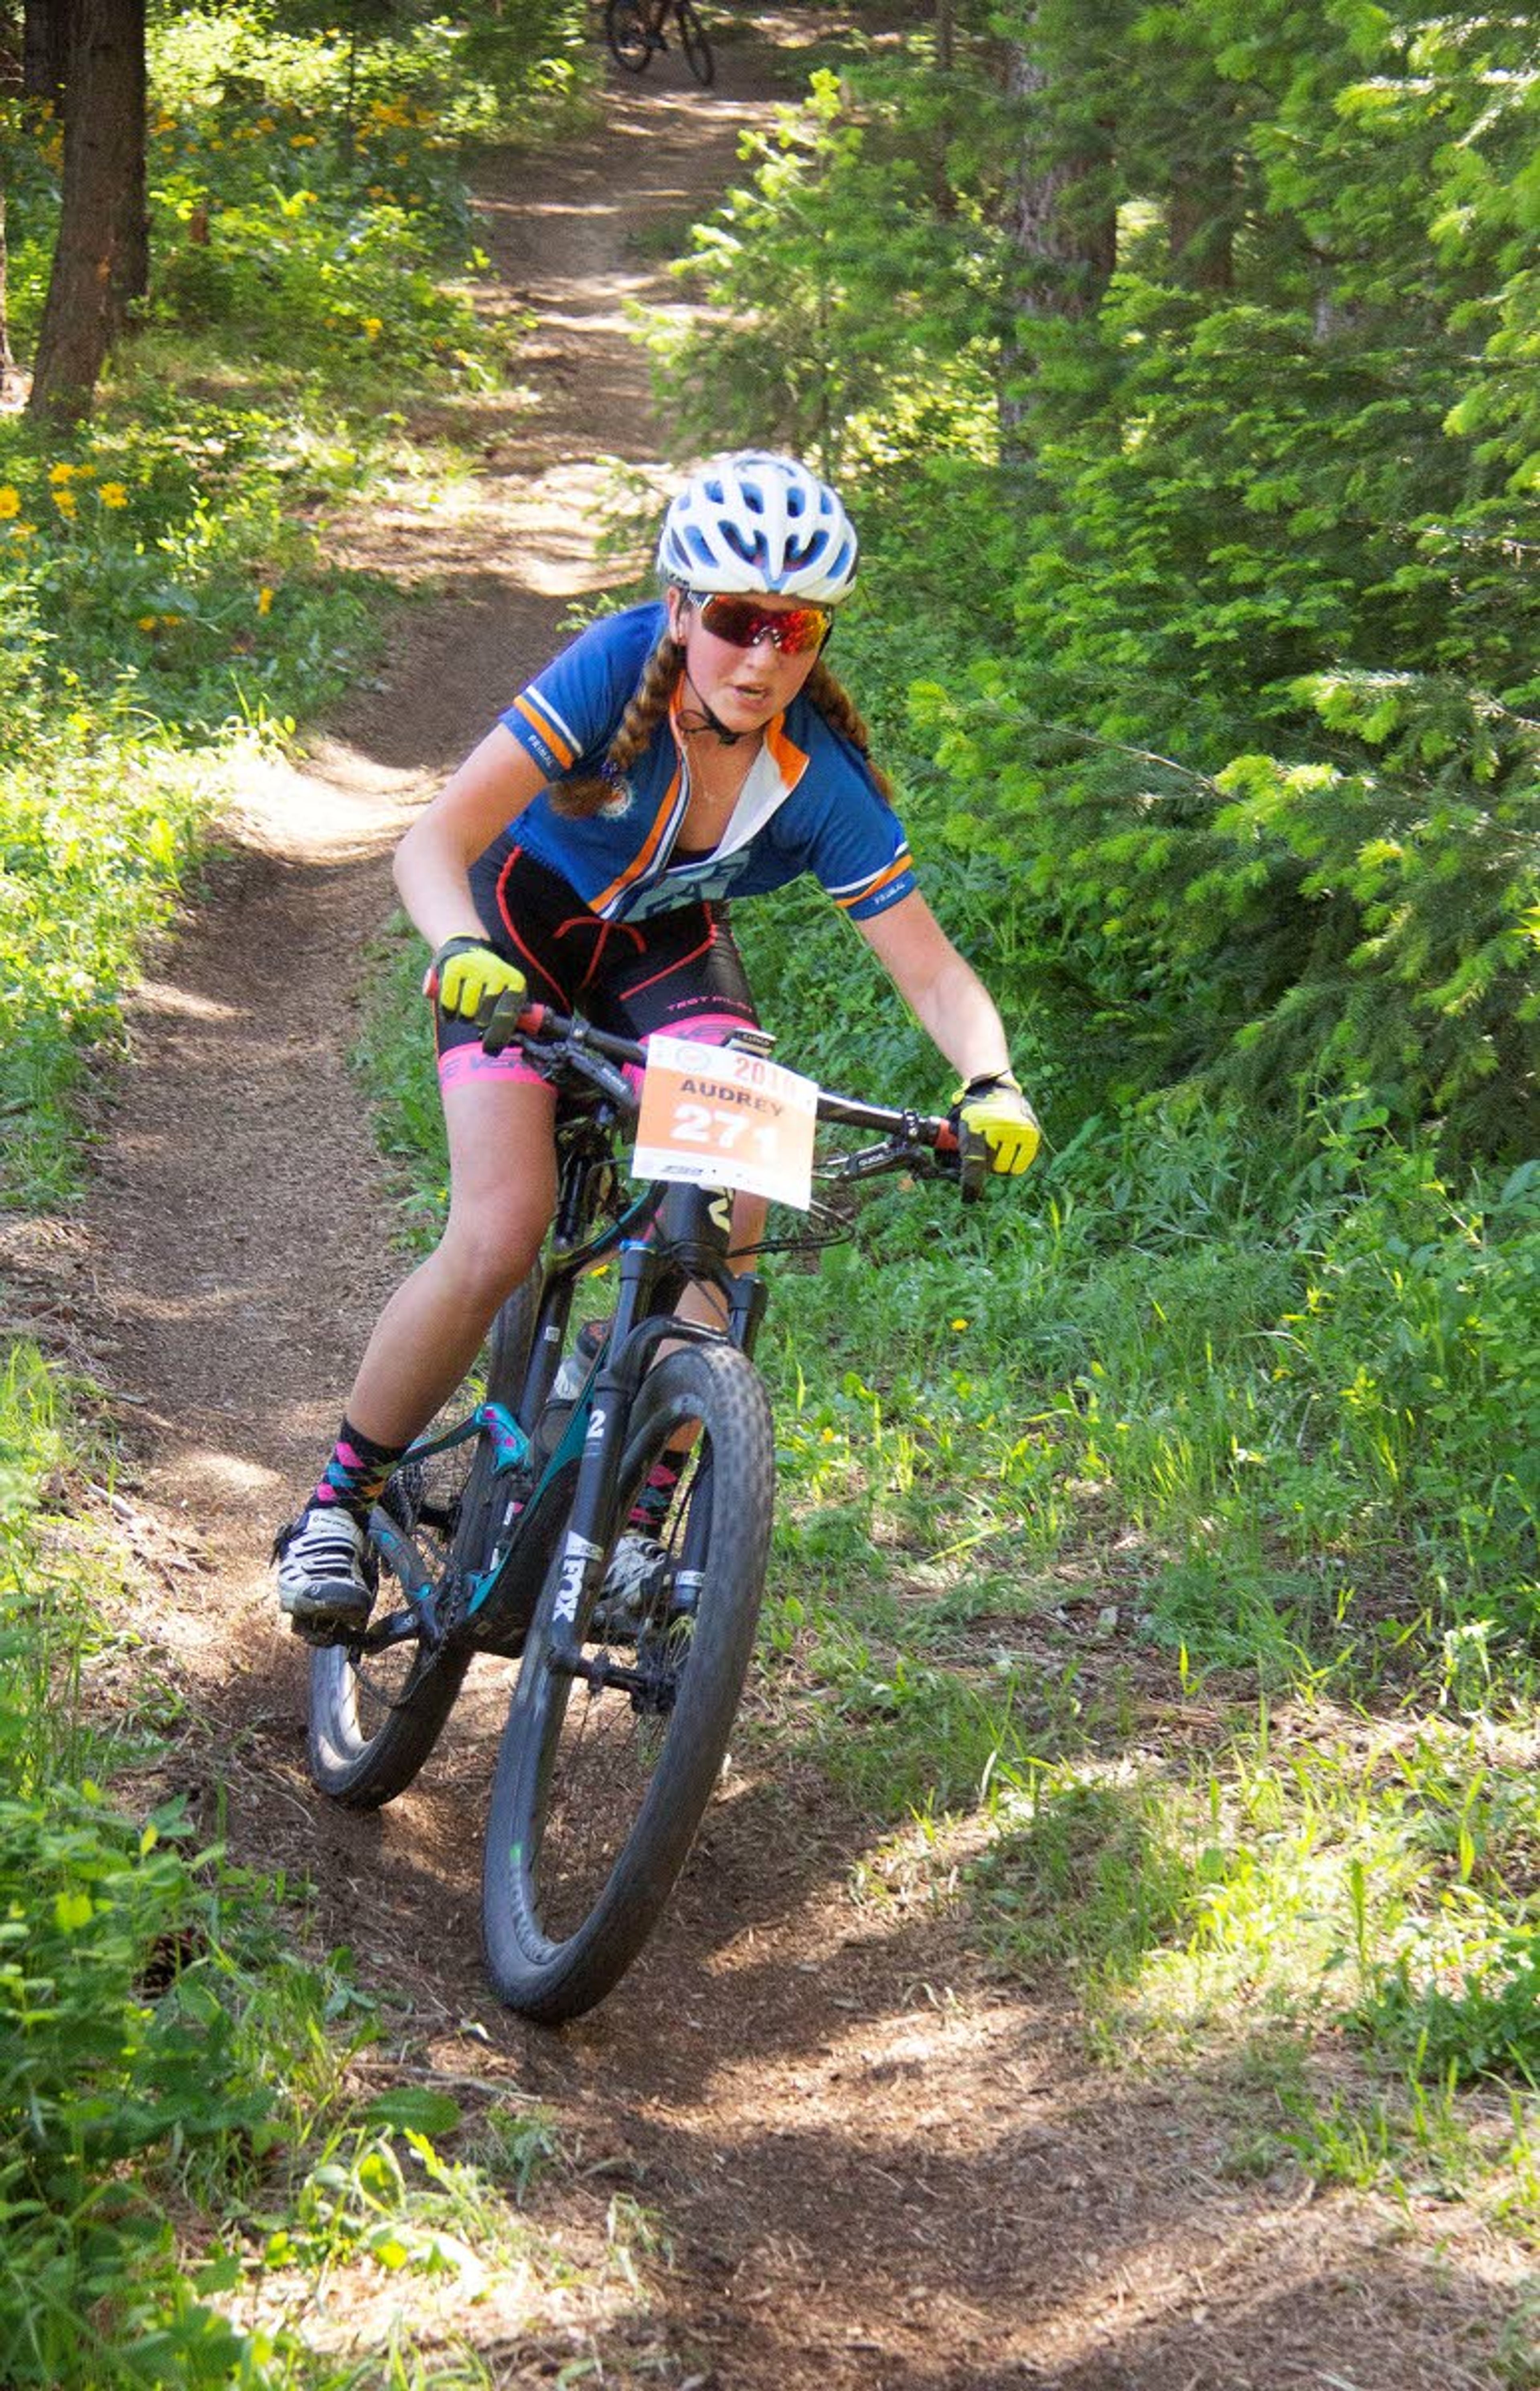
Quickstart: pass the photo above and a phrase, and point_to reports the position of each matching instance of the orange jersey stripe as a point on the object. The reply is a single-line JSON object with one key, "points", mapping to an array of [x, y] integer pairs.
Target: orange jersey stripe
{"points": [[639, 863], [559, 747], [884, 880], [790, 760]]}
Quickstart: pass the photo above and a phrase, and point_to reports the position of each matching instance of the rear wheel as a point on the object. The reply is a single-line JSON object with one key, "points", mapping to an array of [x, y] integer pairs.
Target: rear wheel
{"points": [[626, 31], [697, 49], [603, 1775], [376, 1714]]}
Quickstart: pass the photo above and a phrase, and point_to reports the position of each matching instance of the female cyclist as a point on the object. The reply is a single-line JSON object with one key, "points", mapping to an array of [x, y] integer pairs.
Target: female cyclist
{"points": [[674, 756]]}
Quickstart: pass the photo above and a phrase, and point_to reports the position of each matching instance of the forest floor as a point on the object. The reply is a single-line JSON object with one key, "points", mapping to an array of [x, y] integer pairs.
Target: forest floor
{"points": [[855, 2159]]}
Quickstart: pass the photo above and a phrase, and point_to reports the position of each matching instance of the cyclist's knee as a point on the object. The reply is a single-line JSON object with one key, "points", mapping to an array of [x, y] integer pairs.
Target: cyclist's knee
{"points": [[749, 1214], [491, 1250]]}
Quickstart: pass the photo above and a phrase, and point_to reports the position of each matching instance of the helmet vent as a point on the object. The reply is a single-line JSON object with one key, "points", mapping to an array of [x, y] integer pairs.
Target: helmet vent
{"points": [[758, 521]]}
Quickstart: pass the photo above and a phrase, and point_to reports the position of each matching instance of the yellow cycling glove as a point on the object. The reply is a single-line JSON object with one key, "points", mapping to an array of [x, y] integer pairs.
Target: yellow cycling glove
{"points": [[993, 1113], [466, 976]]}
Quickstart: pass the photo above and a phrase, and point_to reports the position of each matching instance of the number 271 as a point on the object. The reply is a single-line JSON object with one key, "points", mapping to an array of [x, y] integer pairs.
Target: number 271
{"points": [[698, 1125]]}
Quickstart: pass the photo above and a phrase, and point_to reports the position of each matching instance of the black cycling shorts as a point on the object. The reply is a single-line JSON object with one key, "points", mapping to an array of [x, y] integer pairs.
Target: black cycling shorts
{"points": [[680, 972]]}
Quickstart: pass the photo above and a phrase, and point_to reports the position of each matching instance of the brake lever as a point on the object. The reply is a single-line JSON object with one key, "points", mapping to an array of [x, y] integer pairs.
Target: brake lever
{"points": [[604, 1077], [893, 1154], [973, 1167], [512, 1017], [501, 1026]]}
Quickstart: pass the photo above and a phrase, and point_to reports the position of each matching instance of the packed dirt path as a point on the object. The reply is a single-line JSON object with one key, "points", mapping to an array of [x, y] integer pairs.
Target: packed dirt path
{"points": [[869, 2165]]}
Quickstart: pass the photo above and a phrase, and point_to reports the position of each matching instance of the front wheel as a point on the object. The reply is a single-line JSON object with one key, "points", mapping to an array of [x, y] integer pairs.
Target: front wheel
{"points": [[375, 1716], [697, 48], [606, 1766], [626, 31]]}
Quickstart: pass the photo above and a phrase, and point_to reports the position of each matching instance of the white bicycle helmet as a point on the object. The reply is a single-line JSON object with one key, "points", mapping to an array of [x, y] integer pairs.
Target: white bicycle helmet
{"points": [[755, 522]]}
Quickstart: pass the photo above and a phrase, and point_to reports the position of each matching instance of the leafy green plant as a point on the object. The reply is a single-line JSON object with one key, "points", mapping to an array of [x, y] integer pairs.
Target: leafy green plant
{"points": [[1485, 2022], [836, 242], [1238, 705], [120, 2045], [1078, 1875]]}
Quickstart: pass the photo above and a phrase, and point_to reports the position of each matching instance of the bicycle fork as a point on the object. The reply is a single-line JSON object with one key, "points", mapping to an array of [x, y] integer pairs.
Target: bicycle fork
{"points": [[695, 1225]]}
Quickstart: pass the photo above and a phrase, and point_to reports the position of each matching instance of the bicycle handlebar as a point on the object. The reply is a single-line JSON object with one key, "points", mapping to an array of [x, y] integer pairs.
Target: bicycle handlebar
{"points": [[566, 1039]]}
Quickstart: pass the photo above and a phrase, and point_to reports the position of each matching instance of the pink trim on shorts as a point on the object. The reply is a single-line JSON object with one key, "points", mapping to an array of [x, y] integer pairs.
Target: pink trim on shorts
{"points": [[706, 1028], [462, 1063]]}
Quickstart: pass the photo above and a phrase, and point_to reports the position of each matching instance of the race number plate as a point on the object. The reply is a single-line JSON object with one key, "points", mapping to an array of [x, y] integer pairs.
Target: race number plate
{"points": [[715, 1117]]}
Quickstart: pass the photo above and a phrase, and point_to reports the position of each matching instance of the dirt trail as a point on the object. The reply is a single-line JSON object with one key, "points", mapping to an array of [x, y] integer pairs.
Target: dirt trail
{"points": [[879, 2170]]}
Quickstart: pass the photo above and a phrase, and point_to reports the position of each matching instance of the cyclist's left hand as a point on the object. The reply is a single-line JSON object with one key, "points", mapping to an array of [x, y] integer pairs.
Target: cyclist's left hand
{"points": [[995, 1117]]}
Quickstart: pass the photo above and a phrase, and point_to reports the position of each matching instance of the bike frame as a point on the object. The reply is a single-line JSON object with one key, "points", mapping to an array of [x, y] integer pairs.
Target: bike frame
{"points": [[668, 1235]]}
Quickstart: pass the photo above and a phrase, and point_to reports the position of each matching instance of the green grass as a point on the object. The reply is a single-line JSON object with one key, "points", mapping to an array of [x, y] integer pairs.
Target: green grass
{"points": [[163, 590], [209, 2138], [199, 2130], [1155, 1562], [1057, 1475]]}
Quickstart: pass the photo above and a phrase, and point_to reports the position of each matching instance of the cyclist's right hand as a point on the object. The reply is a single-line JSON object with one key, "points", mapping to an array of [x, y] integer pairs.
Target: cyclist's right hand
{"points": [[467, 975]]}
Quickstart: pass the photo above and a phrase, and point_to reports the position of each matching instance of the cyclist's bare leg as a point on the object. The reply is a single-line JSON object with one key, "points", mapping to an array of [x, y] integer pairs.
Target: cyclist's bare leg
{"points": [[502, 1169], [705, 1303]]}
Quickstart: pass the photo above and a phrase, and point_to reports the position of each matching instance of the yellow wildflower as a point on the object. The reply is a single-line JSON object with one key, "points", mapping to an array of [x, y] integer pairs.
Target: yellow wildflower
{"points": [[113, 493], [147, 622], [265, 600], [67, 503], [266, 125], [171, 621], [302, 141], [86, 472], [959, 1323], [373, 326], [10, 503], [60, 474]]}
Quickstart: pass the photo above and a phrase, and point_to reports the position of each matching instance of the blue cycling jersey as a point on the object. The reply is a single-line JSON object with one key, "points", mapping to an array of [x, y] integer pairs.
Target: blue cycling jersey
{"points": [[808, 803]]}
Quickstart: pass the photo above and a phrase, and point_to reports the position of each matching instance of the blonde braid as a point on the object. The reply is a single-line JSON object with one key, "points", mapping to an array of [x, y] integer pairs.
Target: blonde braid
{"points": [[660, 677], [838, 709]]}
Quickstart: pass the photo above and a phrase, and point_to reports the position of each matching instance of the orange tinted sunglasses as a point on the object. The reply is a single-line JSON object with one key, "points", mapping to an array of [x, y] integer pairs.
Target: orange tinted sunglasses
{"points": [[743, 622]]}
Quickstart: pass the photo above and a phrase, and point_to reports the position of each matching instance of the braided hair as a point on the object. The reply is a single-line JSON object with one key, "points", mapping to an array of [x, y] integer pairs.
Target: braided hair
{"points": [[649, 702]]}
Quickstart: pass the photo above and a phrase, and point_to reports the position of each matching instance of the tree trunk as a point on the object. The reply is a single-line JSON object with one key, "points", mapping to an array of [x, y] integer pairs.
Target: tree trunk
{"points": [[1063, 228], [8, 377], [45, 49], [101, 259], [1202, 216], [1196, 147]]}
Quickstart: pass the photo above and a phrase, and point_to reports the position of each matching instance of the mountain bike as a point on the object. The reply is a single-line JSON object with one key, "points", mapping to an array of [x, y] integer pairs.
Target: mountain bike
{"points": [[634, 29], [496, 1531]]}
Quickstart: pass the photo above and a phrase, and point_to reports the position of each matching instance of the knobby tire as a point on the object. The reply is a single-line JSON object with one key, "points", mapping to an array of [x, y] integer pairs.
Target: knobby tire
{"points": [[626, 31], [598, 1791], [692, 35], [375, 1717]]}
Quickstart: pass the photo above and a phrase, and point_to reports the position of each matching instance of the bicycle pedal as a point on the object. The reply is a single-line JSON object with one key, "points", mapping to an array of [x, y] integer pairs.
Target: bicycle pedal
{"points": [[323, 1638]]}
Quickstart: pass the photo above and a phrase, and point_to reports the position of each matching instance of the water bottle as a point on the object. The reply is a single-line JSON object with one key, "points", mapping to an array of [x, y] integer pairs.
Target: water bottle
{"points": [[568, 1385]]}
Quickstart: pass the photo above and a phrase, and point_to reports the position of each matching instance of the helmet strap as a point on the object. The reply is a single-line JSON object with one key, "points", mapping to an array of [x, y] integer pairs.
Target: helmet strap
{"points": [[713, 722]]}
